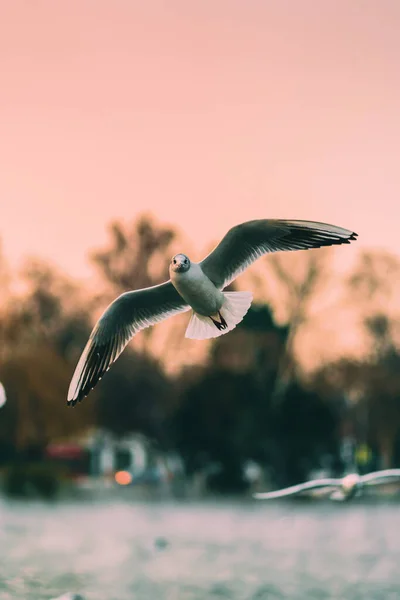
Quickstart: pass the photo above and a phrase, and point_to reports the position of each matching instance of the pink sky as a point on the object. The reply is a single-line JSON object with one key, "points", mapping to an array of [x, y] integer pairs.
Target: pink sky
{"points": [[203, 112]]}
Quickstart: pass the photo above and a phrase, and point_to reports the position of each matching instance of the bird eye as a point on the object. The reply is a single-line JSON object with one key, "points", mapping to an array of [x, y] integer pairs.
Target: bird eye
{"points": [[174, 261]]}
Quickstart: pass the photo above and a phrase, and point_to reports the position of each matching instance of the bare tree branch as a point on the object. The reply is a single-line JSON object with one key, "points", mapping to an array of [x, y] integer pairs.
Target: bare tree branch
{"points": [[300, 290]]}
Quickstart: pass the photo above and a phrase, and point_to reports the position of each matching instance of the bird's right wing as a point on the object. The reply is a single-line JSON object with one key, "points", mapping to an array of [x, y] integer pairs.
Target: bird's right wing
{"points": [[298, 489], [127, 315]]}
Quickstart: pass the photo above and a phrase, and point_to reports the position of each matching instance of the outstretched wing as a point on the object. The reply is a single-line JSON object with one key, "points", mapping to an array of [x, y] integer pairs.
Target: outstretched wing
{"points": [[381, 477], [245, 243], [127, 315], [294, 490]]}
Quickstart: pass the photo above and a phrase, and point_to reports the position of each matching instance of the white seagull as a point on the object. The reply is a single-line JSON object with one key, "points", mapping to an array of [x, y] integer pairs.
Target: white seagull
{"points": [[345, 488], [196, 286]]}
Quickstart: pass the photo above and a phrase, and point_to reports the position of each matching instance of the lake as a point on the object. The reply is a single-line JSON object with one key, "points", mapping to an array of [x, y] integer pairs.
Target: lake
{"points": [[125, 550]]}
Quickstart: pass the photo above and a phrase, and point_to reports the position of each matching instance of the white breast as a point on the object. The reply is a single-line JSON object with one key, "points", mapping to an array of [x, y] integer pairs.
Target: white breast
{"points": [[198, 290]]}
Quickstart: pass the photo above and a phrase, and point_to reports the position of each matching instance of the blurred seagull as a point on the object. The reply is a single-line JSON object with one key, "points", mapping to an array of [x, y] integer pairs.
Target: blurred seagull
{"points": [[345, 488], [196, 286]]}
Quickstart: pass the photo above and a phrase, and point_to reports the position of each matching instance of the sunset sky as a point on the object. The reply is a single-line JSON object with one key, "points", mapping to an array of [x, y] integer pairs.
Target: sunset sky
{"points": [[205, 113]]}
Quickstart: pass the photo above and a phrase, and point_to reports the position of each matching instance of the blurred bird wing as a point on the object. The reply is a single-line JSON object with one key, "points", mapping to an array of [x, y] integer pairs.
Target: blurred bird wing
{"points": [[127, 315], [298, 489], [245, 243], [380, 477]]}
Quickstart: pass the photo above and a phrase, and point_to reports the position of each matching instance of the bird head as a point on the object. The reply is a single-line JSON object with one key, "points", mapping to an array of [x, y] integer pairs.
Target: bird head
{"points": [[180, 263]]}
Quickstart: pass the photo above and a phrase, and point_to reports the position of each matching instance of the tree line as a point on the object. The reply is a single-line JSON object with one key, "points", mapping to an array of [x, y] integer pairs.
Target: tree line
{"points": [[243, 397]]}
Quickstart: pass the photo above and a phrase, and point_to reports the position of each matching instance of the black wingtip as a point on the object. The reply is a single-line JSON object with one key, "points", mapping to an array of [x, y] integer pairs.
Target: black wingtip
{"points": [[352, 238], [84, 392], [75, 401]]}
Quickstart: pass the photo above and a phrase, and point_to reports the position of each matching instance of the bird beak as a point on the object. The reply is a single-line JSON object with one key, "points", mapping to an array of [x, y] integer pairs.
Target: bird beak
{"points": [[179, 263]]}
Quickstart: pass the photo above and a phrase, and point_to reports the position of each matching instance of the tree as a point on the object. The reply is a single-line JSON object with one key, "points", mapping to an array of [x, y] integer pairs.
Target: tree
{"points": [[40, 331], [4, 298], [292, 282], [372, 389], [36, 379], [138, 256], [375, 277], [5, 276], [136, 396], [374, 286], [308, 429], [51, 309], [220, 421]]}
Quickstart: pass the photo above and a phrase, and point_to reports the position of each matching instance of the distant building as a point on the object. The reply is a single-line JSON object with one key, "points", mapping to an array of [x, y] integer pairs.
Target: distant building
{"points": [[100, 454]]}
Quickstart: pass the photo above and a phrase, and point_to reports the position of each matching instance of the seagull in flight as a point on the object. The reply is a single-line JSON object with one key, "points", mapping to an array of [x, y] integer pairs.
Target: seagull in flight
{"points": [[197, 287], [345, 488]]}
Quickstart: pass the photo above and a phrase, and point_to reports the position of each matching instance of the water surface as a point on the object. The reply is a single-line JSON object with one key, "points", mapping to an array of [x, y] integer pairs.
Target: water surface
{"points": [[122, 550]]}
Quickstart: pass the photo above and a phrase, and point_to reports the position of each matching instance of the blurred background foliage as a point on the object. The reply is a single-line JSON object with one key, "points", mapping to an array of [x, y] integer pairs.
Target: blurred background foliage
{"points": [[263, 393]]}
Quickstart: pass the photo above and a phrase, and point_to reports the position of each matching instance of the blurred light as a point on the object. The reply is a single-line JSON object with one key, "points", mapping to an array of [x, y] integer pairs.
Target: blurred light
{"points": [[3, 397], [123, 477]]}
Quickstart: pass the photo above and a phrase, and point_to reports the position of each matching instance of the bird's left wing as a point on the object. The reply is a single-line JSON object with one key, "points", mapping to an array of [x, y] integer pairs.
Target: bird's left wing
{"points": [[298, 489], [245, 243], [127, 315]]}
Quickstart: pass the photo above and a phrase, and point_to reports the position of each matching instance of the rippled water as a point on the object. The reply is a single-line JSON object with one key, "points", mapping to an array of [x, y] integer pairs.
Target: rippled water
{"points": [[249, 551]]}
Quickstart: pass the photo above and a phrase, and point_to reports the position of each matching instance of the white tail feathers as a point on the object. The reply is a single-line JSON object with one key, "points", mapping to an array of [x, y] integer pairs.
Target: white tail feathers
{"points": [[234, 308]]}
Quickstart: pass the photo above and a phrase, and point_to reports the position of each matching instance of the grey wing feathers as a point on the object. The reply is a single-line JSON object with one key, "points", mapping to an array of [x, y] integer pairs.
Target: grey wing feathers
{"points": [[127, 315], [245, 243]]}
